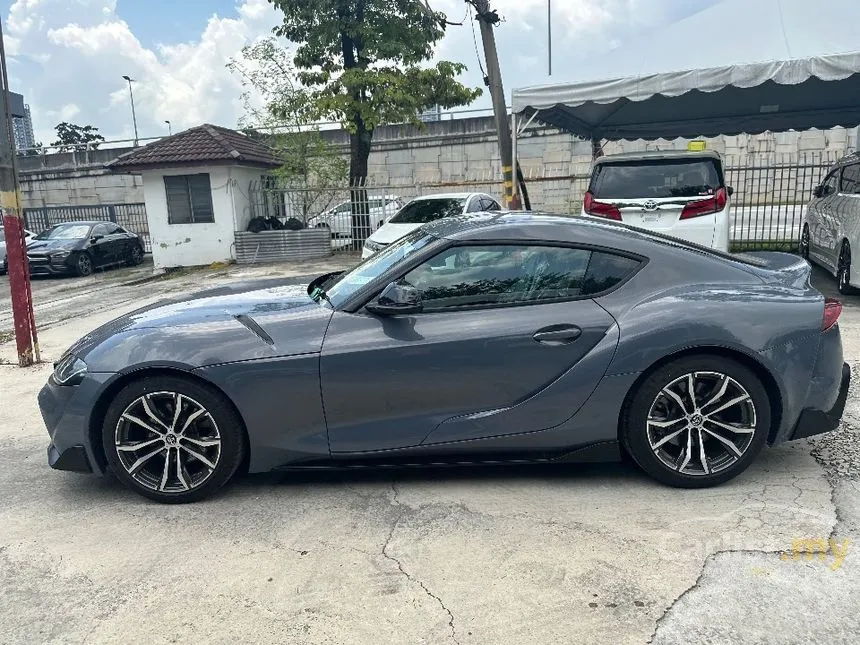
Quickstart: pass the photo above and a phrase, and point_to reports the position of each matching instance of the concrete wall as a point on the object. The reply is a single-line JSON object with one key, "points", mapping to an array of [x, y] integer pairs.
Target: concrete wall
{"points": [[175, 245], [76, 179]]}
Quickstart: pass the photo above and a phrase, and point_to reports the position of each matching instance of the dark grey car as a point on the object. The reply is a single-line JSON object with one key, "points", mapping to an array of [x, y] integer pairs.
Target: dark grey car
{"points": [[494, 338]]}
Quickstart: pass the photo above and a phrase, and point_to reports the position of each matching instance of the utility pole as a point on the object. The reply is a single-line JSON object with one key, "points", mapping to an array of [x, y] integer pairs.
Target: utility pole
{"points": [[133, 113], [13, 226], [488, 19]]}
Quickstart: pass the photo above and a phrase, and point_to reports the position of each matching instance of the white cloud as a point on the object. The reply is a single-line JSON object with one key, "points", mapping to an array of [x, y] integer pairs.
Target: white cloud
{"points": [[72, 54]]}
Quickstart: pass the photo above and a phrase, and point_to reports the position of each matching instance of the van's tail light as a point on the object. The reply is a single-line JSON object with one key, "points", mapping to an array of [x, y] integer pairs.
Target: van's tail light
{"points": [[706, 206], [832, 311], [601, 209]]}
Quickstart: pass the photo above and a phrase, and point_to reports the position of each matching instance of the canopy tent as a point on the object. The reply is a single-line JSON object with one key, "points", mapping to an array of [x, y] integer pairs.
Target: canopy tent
{"points": [[765, 65]]}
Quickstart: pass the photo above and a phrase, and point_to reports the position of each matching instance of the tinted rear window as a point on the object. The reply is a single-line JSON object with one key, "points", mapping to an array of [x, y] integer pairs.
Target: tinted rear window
{"points": [[428, 210], [656, 179]]}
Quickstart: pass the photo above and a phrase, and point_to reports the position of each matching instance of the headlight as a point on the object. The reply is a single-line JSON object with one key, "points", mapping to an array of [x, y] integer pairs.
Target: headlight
{"points": [[372, 246], [59, 254], [69, 371]]}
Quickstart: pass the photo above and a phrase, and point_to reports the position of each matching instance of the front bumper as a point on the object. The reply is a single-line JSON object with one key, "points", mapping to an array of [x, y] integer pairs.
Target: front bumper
{"points": [[66, 411], [814, 420], [40, 265]]}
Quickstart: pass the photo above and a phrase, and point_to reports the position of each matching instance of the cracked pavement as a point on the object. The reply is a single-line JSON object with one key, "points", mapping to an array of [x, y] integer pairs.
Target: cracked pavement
{"points": [[585, 554]]}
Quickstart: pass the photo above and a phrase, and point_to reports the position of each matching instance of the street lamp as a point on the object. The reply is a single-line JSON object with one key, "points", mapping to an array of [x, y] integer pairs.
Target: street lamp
{"points": [[169, 128], [133, 115]]}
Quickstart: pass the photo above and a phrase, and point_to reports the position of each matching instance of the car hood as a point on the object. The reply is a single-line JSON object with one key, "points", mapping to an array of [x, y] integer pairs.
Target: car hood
{"points": [[46, 246], [220, 326], [389, 233]]}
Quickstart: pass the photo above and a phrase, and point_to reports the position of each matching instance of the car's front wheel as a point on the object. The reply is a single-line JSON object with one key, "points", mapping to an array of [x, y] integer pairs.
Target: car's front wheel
{"points": [[84, 265], [171, 439], [696, 422], [136, 256]]}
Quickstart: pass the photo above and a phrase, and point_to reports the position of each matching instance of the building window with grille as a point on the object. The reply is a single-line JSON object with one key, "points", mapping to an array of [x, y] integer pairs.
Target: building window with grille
{"points": [[189, 199]]}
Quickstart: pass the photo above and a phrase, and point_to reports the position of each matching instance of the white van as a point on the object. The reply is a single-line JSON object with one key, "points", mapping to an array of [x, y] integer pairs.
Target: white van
{"points": [[682, 194]]}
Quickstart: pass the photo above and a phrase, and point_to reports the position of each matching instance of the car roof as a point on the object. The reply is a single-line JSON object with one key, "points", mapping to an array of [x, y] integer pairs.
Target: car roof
{"points": [[448, 196], [82, 223], [655, 155], [847, 160]]}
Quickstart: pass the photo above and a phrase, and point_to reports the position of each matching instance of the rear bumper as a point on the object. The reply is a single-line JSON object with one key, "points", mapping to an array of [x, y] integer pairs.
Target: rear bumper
{"points": [[814, 421]]}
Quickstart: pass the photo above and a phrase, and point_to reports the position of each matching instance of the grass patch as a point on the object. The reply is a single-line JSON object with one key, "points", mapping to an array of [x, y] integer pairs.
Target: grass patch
{"points": [[6, 336]]}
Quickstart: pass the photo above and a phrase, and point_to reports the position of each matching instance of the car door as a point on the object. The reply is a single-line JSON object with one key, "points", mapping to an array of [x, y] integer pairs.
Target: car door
{"points": [[846, 220], [100, 247], [118, 243], [502, 347], [819, 218]]}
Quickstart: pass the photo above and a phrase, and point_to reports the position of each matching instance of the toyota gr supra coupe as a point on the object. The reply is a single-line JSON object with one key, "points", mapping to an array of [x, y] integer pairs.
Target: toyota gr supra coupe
{"points": [[481, 339]]}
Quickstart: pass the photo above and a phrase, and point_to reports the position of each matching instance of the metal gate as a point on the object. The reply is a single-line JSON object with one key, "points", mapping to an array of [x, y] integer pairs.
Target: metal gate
{"points": [[131, 217]]}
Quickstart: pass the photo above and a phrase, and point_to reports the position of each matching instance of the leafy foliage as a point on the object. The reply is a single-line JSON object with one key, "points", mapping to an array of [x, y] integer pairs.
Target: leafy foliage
{"points": [[74, 137], [363, 63], [312, 168]]}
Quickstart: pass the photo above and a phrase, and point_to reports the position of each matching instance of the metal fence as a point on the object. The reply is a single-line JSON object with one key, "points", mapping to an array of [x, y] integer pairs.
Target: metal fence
{"points": [[131, 217]]}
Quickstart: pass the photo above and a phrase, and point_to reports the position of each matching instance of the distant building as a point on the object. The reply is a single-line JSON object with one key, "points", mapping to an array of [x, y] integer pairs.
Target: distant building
{"points": [[22, 122], [431, 115]]}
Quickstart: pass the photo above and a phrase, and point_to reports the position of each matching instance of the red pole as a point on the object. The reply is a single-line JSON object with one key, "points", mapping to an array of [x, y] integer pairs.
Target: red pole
{"points": [[13, 226]]}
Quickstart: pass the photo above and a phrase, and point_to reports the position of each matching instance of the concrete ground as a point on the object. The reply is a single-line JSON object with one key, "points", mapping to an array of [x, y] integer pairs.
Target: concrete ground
{"points": [[587, 554]]}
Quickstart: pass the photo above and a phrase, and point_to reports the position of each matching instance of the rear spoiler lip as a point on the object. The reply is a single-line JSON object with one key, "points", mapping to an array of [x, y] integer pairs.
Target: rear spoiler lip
{"points": [[782, 268]]}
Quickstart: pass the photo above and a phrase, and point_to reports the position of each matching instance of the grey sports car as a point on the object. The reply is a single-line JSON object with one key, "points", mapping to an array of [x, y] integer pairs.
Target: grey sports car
{"points": [[492, 338]]}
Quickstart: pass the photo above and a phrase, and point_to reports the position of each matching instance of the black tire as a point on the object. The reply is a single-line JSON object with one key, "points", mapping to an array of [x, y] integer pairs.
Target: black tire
{"points": [[635, 430], [804, 243], [136, 256], [84, 264], [227, 426], [843, 272]]}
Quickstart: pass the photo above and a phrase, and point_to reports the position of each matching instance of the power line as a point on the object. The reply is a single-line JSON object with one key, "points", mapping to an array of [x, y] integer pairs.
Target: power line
{"points": [[478, 55]]}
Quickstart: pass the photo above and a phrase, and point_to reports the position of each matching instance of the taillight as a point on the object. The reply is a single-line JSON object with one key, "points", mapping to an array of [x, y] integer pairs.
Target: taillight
{"points": [[601, 209], [832, 311], [706, 206]]}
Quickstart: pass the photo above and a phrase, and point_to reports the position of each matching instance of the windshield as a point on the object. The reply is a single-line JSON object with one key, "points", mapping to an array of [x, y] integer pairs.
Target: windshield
{"points": [[656, 179], [366, 272], [65, 232], [429, 210]]}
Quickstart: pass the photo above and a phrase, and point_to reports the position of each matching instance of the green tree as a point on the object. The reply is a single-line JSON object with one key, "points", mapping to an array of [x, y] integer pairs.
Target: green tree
{"points": [[312, 169], [364, 63], [73, 137]]}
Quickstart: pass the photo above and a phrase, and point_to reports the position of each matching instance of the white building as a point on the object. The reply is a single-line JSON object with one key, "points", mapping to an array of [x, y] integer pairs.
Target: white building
{"points": [[196, 188]]}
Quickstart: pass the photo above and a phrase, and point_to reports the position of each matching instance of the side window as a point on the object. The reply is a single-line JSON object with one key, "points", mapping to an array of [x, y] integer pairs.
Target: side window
{"points": [[100, 229], [605, 271], [831, 184], [492, 205], [469, 276], [112, 229], [851, 179], [475, 205]]}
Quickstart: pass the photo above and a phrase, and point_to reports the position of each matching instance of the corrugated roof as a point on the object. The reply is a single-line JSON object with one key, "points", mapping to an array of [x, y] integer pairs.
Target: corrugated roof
{"points": [[203, 144]]}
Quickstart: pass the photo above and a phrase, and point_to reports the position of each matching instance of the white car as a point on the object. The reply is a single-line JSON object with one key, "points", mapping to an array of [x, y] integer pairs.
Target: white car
{"points": [[339, 218], [682, 194], [831, 226], [3, 264], [423, 210]]}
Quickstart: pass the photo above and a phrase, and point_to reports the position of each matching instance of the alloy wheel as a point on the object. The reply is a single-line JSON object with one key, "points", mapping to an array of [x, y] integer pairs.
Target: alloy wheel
{"points": [[168, 442], [701, 423], [85, 265], [844, 272], [804, 243], [136, 255]]}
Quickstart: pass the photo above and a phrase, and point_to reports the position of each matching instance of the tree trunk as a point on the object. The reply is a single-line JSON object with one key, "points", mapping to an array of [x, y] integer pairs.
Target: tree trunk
{"points": [[359, 144]]}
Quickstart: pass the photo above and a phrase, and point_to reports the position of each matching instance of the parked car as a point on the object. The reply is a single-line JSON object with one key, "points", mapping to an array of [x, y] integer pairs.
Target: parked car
{"points": [[423, 210], [4, 264], [831, 225], [491, 339], [339, 218], [81, 247], [682, 194]]}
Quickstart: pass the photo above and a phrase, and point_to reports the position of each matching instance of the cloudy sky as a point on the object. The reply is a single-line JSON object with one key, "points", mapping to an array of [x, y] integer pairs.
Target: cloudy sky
{"points": [[68, 56]]}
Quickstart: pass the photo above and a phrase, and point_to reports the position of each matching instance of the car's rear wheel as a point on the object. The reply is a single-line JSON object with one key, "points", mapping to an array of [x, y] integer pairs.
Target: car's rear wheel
{"points": [[843, 272], [136, 256], [171, 439], [84, 264], [804, 242], [696, 422]]}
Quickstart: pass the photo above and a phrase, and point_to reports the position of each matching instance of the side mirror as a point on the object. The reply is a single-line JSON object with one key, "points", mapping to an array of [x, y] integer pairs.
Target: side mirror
{"points": [[396, 299], [818, 192], [96, 238], [730, 190]]}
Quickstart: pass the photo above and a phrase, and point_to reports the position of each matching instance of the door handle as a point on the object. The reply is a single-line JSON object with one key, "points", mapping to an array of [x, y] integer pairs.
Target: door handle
{"points": [[561, 335]]}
